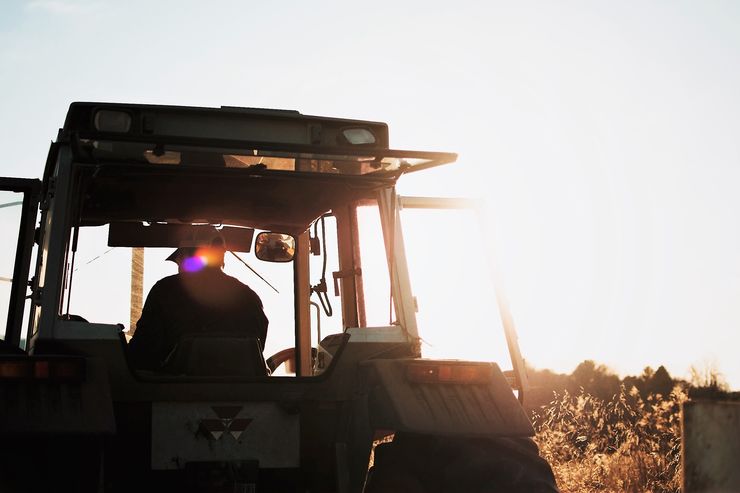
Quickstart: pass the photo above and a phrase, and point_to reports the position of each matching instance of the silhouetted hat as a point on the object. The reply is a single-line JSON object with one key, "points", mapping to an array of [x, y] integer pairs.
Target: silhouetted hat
{"points": [[189, 251], [182, 253]]}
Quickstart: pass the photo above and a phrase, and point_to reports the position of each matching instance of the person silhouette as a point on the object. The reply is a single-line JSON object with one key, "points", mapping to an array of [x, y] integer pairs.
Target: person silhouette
{"points": [[198, 300]]}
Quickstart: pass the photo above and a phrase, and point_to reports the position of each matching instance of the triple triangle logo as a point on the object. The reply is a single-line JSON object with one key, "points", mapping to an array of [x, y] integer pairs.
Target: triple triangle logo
{"points": [[227, 422]]}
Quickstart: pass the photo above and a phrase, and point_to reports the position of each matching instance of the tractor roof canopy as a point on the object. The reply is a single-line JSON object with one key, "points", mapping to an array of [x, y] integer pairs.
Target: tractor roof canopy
{"points": [[272, 169]]}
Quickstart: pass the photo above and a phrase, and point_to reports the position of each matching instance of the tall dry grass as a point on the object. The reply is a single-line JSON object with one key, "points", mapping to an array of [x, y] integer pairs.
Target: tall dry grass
{"points": [[626, 444]]}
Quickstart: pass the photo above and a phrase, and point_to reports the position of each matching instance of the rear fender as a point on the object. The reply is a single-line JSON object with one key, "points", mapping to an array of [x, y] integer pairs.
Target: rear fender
{"points": [[486, 406]]}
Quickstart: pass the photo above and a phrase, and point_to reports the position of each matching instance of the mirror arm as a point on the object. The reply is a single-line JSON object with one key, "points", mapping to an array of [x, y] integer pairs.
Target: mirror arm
{"points": [[254, 271]]}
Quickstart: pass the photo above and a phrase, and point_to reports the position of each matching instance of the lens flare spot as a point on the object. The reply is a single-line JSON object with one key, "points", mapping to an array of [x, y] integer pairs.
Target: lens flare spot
{"points": [[194, 264]]}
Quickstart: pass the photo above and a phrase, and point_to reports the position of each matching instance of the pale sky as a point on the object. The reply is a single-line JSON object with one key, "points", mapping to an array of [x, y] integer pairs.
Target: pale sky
{"points": [[602, 135]]}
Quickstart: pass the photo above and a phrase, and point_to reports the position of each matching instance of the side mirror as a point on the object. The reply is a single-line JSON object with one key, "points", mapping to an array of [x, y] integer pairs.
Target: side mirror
{"points": [[274, 247]]}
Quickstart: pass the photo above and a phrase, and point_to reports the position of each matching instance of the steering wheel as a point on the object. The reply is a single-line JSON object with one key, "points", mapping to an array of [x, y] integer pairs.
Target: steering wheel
{"points": [[277, 359]]}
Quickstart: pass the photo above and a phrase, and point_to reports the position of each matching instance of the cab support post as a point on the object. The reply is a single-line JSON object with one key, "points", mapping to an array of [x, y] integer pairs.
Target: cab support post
{"points": [[347, 274], [302, 306], [403, 298]]}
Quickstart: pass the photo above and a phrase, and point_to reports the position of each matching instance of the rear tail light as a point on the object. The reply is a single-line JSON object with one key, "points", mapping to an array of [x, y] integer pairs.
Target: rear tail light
{"points": [[41, 368], [448, 373]]}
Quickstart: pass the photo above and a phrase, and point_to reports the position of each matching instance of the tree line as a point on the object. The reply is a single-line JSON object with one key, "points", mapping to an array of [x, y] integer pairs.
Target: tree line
{"points": [[600, 381]]}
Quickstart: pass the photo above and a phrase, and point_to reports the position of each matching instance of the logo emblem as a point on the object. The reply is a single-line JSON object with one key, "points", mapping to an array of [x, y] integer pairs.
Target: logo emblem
{"points": [[227, 422]]}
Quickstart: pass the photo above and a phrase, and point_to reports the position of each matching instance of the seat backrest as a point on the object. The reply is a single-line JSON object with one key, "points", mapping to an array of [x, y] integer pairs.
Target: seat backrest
{"points": [[217, 355]]}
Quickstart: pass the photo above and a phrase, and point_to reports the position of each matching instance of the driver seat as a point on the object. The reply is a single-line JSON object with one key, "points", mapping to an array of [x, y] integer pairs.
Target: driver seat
{"points": [[217, 355]]}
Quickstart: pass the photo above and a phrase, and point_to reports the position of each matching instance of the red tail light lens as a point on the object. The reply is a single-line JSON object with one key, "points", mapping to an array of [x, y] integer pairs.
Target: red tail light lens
{"points": [[41, 368]]}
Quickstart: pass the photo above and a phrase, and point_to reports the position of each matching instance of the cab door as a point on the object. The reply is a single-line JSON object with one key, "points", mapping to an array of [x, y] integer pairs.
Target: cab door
{"points": [[449, 245], [19, 202]]}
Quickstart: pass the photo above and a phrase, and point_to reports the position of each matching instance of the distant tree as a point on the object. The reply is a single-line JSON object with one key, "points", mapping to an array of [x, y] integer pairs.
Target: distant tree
{"points": [[595, 379], [660, 382], [631, 381], [543, 385], [651, 382]]}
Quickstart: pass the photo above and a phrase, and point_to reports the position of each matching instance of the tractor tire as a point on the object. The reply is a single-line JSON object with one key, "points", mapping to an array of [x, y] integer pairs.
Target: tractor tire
{"points": [[434, 464]]}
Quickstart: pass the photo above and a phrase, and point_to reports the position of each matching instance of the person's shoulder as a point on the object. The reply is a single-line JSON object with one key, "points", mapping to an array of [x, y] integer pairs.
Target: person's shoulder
{"points": [[238, 284], [233, 280], [167, 282], [169, 279]]}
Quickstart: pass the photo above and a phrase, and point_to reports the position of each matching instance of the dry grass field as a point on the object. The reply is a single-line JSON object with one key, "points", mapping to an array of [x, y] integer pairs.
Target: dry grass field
{"points": [[626, 444]]}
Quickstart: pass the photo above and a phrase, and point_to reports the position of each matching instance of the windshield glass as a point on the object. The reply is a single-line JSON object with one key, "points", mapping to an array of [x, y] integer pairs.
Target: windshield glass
{"points": [[101, 284]]}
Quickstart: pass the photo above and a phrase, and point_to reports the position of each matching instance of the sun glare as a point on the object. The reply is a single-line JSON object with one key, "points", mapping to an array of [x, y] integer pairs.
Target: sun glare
{"points": [[453, 284]]}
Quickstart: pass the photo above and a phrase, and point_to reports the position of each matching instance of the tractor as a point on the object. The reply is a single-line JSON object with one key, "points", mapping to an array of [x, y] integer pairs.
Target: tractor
{"points": [[338, 398]]}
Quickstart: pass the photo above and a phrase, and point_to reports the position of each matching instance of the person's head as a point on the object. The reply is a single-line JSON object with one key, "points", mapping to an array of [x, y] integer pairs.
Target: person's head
{"points": [[195, 259]]}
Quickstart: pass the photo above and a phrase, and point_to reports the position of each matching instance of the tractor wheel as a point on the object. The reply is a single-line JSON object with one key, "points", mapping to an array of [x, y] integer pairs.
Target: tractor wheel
{"points": [[433, 464]]}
